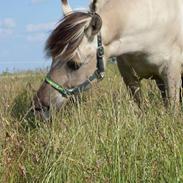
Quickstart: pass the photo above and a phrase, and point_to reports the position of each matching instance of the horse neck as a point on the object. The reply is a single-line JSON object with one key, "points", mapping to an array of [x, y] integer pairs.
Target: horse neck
{"points": [[121, 32], [112, 22]]}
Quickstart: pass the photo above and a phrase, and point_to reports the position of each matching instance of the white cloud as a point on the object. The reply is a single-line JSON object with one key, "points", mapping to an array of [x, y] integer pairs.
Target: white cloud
{"points": [[40, 27], [37, 37], [6, 31], [39, 32], [8, 23], [7, 26]]}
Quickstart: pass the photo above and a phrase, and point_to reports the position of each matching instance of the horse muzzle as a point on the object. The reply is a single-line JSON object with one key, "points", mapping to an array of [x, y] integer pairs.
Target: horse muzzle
{"points": [[41, 111]]}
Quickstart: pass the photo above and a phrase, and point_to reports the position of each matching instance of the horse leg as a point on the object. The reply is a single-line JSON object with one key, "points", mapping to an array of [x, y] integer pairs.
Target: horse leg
{"points": [[131, 80], [181, 91], [135, 90], [161, 85], [172, 79]]}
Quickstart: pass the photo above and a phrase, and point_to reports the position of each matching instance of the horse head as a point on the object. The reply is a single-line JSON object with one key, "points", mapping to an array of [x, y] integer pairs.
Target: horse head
{"points": [[75, 47]]}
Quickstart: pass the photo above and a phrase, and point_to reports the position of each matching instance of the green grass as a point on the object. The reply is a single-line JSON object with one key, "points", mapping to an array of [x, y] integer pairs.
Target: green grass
{"points": [[104, 138]]}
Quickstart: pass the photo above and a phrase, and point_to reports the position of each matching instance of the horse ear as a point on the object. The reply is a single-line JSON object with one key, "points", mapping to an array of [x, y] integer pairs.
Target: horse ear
{"points": [[96, 24]]}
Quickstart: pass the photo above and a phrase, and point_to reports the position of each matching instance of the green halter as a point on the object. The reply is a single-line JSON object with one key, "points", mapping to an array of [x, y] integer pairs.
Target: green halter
{"points": [[97, 75]]}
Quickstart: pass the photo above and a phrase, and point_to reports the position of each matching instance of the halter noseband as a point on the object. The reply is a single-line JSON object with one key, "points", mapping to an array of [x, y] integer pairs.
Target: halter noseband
{"points": [[97, 75]]}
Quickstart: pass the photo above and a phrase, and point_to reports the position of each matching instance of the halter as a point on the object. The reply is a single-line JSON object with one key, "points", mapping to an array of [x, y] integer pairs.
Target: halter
{"points": [[97, 75]]}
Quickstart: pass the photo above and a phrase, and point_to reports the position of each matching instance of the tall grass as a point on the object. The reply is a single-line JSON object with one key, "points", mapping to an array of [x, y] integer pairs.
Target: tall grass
{"points": [[102, 138]]}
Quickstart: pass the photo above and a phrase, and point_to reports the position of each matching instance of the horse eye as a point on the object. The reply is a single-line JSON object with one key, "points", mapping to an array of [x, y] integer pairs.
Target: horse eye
{"points": [[73, 65]]}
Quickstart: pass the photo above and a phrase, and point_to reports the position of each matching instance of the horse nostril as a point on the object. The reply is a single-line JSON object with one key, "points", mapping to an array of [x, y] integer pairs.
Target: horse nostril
{"points": [[40, 104], [42, 108], [43, 112], [47, 108]]}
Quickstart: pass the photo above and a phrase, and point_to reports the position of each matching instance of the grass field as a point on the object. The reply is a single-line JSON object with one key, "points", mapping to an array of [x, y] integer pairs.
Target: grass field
{"points": [[104, 138]]}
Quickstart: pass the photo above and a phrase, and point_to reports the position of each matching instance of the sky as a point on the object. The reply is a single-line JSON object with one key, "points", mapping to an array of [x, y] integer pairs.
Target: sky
{"points": [[24, 27]]}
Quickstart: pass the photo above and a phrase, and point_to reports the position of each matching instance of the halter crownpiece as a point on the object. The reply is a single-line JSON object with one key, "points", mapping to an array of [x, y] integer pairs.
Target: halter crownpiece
{"points": [[97, 75]]}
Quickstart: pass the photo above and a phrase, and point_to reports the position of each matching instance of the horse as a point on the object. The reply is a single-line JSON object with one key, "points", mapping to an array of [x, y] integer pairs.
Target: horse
{"points": [[146, 37]]}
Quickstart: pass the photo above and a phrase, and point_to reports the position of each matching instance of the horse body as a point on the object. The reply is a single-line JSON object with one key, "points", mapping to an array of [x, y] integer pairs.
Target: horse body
{"points": [[146, 36], [148, 40]]}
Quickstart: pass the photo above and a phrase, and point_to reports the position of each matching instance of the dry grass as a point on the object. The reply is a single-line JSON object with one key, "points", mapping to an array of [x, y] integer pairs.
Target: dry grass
{"points": [[103, 138]]}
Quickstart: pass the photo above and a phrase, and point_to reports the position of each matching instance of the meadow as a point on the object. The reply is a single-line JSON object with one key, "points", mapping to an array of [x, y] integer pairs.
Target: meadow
{"points": [[101, 138]]}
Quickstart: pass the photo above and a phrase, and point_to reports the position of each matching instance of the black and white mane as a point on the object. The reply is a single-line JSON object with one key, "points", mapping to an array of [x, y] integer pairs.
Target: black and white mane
{"points": [[67, 36]]}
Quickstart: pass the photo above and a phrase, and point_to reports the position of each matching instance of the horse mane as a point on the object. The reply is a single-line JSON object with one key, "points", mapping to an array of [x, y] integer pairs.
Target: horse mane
{"points": [[67, 36], [93, 6]]}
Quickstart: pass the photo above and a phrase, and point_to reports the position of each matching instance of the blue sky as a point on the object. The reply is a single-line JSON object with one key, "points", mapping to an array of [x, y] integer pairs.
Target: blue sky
{"points": [[24, 27]]}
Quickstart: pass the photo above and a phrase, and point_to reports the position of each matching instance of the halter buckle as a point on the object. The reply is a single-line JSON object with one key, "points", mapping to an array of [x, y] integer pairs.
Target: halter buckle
{"points": [[100, 51]]}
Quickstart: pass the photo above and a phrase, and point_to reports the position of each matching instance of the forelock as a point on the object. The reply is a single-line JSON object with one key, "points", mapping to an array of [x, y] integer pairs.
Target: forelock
{"points": [[67, 36]]}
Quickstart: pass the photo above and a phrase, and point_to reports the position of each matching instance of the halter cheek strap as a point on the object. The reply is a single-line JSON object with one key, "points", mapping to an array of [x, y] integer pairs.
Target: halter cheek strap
{"points": [[97, 75], [100, 54]]}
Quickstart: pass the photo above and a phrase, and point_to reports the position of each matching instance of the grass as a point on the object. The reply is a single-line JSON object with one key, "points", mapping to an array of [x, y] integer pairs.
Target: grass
{"points": [[104, 138]]}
